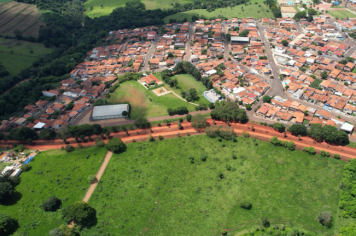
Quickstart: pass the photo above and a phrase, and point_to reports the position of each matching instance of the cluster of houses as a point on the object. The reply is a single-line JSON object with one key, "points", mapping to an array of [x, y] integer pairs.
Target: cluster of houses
{"points": [[170, 48], [207, 42], [293, 112]]}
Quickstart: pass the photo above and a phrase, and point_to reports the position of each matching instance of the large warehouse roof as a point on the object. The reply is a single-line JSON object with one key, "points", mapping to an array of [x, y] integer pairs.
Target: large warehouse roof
{"points": [[240, 39], [111, 110]]}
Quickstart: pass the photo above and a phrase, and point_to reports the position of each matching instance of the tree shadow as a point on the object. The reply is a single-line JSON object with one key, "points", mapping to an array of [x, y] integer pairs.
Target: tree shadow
{"points": [[92, 220], [15, 197]]}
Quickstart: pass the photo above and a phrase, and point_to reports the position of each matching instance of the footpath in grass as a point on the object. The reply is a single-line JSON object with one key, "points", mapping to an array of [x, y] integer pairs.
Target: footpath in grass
{"points": [[145, 103], [186, 82], [257, 11], [17, 55], [165, 188], [53, 172]]}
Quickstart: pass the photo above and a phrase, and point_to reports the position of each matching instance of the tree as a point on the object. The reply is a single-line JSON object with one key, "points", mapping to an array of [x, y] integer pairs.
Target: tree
{"points": [[298, 129], [69, 148], [116, 145], [81, 213], [167, 122], [125, 113], [198, 121], [330, 134], [142, 123], [316, 132], [99, 143], [7, 224], [6, 190], [25, 167], [324, 74], [188, 117], [244, 33], [275, 141], [229, 111], [51, 204], [279, 127], [291, 146], [47, 134], [267, 99], [284, 43], [325, 218], [180, 125]]}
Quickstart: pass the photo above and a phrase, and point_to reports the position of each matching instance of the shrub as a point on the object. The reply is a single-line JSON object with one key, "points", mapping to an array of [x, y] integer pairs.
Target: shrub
{"points": [[91, 179], [203, 158], [325, 218], [116, 145], [51, 204], [69, 148], [191, 159], [245, 134], [142, 123], [291, 146], [309, 150], [245, 204], [265, 222], [228, 167], [25, 167], [223, 232], [150, 138], [7, 224], [337, 156], [234, 156], [324, 154], [160, 137], [275, 141], [198, 121], [99, 143]]}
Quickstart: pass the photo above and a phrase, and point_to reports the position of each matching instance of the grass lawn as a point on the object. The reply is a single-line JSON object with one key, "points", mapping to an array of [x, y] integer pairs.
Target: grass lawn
{"points": [[16, 55], [139, 99], [5, 1], [342, 14], [154, 189], [252, 10], [110, 5], [354, 70], [187, 82], [49, 168]]}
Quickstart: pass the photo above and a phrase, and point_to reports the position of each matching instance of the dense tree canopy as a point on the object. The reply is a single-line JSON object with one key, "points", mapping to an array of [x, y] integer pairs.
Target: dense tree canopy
{"points": [[298, 129], [22, 134], [51, 204], [229, 111], [81, 213], [6, 190], [7, 224], [198, 121], [47, 134]]}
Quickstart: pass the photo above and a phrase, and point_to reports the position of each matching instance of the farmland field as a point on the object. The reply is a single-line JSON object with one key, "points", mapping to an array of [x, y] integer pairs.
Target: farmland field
{"points": [[342, 14], [185, 82], [56, 173], [252, 10], [139, 99], [155, 189], [16, 55], [19, 16]]}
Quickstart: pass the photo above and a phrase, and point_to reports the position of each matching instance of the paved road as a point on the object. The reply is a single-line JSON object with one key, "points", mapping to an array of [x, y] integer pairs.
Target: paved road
{"points": [[226, 42], [191, 38], [150, 53]]}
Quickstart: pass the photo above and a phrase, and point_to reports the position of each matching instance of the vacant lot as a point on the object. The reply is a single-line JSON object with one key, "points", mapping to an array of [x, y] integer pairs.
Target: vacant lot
{"points": [[256, 11], [342, 14], [18, 55], [186, 82], [19, 16], [155, 189], [141, 105], [56, 173]]}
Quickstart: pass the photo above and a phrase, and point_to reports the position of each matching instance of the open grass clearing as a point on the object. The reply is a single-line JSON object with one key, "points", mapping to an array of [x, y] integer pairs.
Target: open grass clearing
{"points": [[5, 1], [16, 54], [139, 99], [252, 10], [342, 14], [53, 172], [186, 82], [109, 5], [154, 189]]}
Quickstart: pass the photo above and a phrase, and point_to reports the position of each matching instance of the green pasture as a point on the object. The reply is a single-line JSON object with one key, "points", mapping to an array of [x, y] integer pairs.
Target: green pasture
{"points": [[17, 55], [253, 10], [145, 103], [342, 14], [154, 189], [53, 172]]}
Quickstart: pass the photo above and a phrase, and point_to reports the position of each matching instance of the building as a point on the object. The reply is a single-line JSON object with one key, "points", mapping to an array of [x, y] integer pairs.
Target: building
{"points": [[212, 96], [109, 112], [240, 40]]}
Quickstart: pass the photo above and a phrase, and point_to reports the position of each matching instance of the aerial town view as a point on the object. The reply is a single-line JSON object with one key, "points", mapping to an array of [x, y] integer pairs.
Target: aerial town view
{"points": [[177, 117]]}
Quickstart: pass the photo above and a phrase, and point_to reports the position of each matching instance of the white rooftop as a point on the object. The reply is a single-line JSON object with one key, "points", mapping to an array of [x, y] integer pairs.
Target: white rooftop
{"points": [[39, 125], [347, 127]]}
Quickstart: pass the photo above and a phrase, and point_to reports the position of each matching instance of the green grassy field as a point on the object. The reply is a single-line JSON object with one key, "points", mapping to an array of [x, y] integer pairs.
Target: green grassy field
{"points": [[139, 99], [186, 82], [49, 168], [154, 189], [252, 10], [110, 5], [5, 1], [16, 55], [342, 14]]}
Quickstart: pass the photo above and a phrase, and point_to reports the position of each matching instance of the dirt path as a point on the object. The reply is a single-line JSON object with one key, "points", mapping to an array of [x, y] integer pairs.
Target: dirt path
{"points": [[98, 176], [260, 132]]}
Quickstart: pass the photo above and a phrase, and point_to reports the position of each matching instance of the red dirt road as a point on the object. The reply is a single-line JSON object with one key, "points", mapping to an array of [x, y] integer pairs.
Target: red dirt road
{"points": [[261, 132]]}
